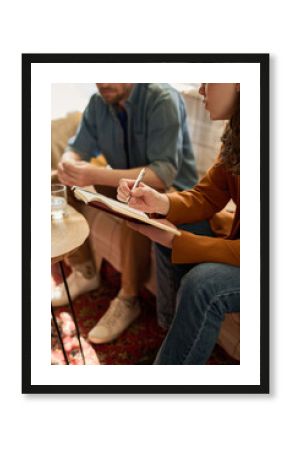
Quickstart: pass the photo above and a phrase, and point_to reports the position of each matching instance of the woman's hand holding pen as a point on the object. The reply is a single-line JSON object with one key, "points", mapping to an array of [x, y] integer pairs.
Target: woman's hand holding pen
{"points": [[147, 200], [142, 197]]}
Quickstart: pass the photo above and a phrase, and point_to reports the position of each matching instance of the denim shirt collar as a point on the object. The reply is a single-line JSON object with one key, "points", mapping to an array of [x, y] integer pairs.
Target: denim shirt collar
{"points": [[133, 94]]}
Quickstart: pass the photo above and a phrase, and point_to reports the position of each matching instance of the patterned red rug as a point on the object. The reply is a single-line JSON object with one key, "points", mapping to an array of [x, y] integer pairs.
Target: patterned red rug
{"points": [[137, 345]]}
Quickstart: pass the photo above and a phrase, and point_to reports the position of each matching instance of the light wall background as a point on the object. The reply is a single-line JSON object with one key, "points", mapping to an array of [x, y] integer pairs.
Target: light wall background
{"points": [[69, 97]]}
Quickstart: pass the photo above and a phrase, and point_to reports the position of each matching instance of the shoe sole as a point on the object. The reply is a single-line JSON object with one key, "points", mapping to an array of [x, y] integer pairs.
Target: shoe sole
{"points": [[103, 341]]}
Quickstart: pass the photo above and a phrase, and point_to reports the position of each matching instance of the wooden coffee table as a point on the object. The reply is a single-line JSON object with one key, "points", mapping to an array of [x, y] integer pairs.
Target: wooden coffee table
{"points": [[67, 235]]}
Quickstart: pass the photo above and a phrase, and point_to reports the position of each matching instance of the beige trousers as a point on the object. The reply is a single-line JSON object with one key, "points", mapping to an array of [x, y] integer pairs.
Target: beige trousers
{"points": [[135, 253]]}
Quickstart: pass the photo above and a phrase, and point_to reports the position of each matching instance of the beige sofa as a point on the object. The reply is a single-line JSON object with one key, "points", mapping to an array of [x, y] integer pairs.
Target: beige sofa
{"points": [[105, 236]]}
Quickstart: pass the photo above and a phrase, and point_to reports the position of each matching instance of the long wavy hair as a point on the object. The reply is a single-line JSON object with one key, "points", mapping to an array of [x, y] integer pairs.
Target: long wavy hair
{"points": [[230, 150]]}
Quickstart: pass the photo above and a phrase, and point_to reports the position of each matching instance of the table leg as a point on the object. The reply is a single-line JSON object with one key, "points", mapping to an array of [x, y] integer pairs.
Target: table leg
{"points": [[59, 335], [72, 310]]}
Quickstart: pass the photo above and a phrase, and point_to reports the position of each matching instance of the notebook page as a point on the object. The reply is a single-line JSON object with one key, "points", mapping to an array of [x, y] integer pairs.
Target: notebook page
{"points": [[95, 196]]}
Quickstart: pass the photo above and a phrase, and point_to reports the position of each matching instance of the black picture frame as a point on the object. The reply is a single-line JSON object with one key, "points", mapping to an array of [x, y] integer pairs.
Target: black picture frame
{"points": [[27, 61]]}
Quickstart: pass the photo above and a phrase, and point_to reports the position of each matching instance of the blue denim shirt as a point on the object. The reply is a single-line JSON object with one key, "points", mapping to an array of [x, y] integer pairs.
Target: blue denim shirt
{"points": [[157, 135]]}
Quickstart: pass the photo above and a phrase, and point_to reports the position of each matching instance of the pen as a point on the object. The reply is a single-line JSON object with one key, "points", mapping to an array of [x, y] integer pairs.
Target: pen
{"points": [[139, 178], [138, 181]]}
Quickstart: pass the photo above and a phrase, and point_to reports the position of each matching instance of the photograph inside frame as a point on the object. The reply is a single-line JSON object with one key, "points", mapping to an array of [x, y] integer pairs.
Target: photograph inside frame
{"points": [[116, 285]]}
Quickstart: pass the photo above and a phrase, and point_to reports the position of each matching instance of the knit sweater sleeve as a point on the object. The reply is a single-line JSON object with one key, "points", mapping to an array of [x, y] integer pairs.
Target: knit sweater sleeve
{"points": [[191, 248], [201, 202]]}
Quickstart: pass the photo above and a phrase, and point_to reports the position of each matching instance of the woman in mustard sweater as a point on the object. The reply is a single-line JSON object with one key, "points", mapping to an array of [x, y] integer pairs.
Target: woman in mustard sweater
{"points": [[201, 266]]}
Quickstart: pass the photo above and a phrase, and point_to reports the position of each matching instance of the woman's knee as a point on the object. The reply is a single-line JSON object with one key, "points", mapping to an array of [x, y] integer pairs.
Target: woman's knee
{"points": [[209, 285], [212, 277]]}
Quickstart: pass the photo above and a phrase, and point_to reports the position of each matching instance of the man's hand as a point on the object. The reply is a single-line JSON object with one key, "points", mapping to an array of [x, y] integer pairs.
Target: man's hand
{"points": [[162, 237], [67, 156], [143, 197], [77, 173]]}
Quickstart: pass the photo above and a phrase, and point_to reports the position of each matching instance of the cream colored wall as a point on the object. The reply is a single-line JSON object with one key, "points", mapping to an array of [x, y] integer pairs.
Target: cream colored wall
{"points": [[70, 97]]}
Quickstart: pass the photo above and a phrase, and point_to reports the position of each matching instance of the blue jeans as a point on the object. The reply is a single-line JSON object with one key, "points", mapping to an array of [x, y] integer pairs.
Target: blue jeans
{"points": [[169, 275], [205, 292]]}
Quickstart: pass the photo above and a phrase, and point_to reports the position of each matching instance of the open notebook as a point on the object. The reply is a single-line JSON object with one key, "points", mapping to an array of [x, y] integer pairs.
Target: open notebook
{"points": [[119, 209]]}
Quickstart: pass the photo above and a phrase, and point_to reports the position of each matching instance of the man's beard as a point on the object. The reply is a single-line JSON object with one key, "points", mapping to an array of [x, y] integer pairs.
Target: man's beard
{"points": [[113, 97]]}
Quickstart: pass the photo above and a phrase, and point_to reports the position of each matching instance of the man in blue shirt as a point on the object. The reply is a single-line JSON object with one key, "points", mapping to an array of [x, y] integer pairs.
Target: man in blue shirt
{"points": [[132, 126]]}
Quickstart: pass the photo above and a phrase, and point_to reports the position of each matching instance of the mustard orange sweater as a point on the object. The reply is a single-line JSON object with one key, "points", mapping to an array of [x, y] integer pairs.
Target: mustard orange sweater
{"points": [[202, 202]]}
